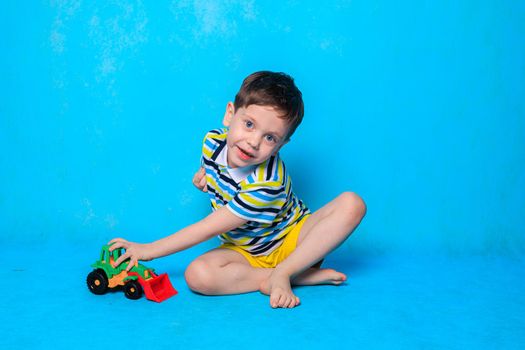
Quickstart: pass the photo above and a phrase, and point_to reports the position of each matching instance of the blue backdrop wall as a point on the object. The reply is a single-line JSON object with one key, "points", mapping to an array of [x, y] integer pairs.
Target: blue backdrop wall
{"points": [[417, 106]]}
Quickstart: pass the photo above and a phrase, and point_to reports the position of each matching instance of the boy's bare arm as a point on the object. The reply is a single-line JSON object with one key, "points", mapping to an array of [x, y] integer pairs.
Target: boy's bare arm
{"points": [[220, 221]]}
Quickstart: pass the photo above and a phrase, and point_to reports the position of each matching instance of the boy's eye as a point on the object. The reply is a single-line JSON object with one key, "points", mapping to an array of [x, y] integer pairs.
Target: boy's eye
{"points": [[248, 124], [270, 138]]}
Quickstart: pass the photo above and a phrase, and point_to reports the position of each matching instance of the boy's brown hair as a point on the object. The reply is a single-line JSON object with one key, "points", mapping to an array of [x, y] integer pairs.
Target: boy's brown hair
{"points": [[273, 89]]}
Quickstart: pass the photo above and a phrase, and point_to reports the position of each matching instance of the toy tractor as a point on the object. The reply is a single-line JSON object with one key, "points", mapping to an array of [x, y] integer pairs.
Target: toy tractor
{"points": [[137, 281]]}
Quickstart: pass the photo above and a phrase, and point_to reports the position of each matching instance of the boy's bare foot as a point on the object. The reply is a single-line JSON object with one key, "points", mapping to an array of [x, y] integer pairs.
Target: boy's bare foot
{"points": [[312, 277], [280, 291]]}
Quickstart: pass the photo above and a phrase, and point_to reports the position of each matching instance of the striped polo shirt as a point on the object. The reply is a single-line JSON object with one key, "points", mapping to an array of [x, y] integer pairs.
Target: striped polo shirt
{"points": [[261, 194]]}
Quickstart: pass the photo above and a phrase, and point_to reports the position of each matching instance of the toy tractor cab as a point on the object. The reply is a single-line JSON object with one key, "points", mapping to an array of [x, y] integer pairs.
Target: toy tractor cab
{"points": [[137, 281]]}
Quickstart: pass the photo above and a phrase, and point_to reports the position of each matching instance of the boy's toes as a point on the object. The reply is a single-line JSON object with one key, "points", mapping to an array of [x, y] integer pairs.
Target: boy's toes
{"points": [[284, 301], [295, 302], [278, 300], [291, 303], [274, 300]]}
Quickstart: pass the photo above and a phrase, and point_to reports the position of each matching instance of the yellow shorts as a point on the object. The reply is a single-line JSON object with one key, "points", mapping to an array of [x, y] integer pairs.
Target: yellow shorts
{"points": [[278, 255]]}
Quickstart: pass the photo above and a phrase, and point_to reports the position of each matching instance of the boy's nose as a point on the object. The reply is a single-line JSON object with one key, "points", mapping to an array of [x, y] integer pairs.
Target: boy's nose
{"points": [[254, 142]]}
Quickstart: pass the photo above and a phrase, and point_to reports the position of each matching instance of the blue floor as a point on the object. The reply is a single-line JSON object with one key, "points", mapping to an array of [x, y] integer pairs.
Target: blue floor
{"points": [[391, 301]]}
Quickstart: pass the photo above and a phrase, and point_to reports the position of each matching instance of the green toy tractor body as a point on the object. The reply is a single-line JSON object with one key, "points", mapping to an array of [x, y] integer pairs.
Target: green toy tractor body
{"points": [[140, 279]]}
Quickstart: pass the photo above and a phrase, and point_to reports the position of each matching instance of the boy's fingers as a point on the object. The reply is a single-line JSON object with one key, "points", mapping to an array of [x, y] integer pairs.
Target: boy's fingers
{"points": [[132, 262], [117, 245], [121, 259], [197, 180], [199, 175], [115, 240]]}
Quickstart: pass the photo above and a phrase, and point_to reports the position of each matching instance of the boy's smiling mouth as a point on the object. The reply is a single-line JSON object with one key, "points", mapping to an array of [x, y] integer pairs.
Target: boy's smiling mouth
{"points": [[244, 155]]}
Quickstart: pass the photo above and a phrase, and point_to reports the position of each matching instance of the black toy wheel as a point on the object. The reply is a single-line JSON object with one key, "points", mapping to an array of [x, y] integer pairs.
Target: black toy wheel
{"points": [[133, 290], [97, 282]]}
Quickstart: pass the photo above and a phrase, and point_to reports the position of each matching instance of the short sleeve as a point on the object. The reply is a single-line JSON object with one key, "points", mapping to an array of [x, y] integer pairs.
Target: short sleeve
{"points": [[208, 144], [260, 203]]}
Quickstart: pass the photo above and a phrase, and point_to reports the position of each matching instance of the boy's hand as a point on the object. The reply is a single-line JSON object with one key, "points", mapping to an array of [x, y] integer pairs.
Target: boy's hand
{"points": [[199, 180], [134, 252]]}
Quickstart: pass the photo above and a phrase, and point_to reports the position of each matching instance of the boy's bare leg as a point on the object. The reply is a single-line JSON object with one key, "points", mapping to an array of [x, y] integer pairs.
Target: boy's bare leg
{"points": [[224, 271], [322, 232]]}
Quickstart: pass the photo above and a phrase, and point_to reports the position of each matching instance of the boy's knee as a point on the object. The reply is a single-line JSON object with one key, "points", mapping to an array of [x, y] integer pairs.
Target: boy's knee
{"points": [[199, 277], [353, 205]]}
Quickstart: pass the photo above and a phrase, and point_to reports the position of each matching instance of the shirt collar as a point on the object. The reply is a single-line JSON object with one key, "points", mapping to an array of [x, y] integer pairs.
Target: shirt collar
{"points": [[237, 174]]}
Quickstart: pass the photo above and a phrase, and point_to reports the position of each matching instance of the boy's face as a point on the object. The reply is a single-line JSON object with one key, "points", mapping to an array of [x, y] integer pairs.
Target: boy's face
{"points": [[256, 133]]}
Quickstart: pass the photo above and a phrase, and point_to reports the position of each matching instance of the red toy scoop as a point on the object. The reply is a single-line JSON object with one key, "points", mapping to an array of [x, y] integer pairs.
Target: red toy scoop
{"points": [[157, 288]]}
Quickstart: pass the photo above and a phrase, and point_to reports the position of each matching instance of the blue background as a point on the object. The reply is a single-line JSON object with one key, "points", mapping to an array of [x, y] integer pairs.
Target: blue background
{"points": [[417, 106]]}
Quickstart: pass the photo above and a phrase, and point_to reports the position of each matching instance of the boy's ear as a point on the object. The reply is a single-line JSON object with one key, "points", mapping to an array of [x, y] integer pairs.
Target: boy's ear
{"points": [[228, 114]]}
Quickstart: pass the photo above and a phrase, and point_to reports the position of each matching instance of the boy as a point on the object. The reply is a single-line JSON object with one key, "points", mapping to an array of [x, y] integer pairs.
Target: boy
{"points": [[270, 239]]}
